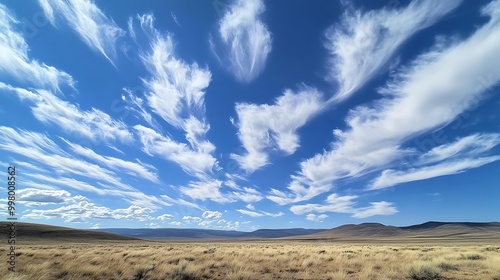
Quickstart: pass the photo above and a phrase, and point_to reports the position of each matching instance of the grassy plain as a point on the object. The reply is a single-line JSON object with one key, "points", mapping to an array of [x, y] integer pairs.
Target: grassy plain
{"points": [[252, 260]]}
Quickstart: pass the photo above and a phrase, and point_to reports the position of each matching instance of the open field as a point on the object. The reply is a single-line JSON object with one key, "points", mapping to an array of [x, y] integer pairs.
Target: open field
{"points": [[253, 260]]}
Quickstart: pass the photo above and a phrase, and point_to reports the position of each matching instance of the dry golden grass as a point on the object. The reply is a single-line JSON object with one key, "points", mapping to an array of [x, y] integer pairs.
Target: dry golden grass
{"points": [[253, 260]]}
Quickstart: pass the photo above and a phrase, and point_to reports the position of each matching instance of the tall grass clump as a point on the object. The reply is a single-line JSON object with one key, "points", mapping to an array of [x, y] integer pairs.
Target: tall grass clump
{"points": [[424, 272]]}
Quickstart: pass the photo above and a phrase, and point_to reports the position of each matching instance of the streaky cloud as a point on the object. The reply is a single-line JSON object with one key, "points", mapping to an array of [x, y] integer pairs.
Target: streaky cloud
{"points": [[426, 95], [93, 27], [196, 163], [335, 203], [16, 63], [174, 91], [363, 43], [245, 41], [93, 124], [448, 159]]}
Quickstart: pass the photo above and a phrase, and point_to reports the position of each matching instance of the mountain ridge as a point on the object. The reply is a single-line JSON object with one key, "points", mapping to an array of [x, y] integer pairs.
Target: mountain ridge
{"points": [[364, 231]]}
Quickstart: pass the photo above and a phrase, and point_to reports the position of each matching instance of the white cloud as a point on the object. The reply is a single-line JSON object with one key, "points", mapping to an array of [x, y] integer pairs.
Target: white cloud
{"points": [[175, 91], [96, 30], [427, 95], [48, 108], [250, 206], [334, 203], [174, 17], [209, 188], [85, 210], [299, 192], [363, 43], [245, 40], [153, 225], [316, 218], [191, 161], [232, 226], [64, 182], [346, 204], [95, 226], [472, 145], [138, 105], [38, 197], [191, 219], [250, 213], [15, 62], [264, 127], [279, 214], [135, 168], [214, 215], [206, 223], [376, 208], [180, 201], [40, 148], [93, 124], [29, 167], [447, 159], [176, 223], [248, 195], [259, 214], [206, 189], [389, 178], [165, 217]]}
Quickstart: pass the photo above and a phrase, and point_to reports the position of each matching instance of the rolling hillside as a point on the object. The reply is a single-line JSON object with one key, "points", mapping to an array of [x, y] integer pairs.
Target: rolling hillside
{"points": [[427, 231], [437, 231], [33, 233]]}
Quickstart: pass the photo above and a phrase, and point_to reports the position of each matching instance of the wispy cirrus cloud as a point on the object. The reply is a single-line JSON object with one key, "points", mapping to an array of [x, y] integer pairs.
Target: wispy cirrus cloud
{"points": [[93, 124], [245, 41], [68, 171], [248, 195], [15, 62], [206, 189], [360, 46], [48, 107], [390, 177], [137, 169], [345, 204], [264, 127], [256, 214], [364, 42], [39, 147], [209, 188], [93, 27], [426, 95], [174, 91], [196, 163], [448, 159]]}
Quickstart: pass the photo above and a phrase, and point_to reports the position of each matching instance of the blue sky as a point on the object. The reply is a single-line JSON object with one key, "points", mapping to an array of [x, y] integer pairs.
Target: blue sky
{"points": [[251, 114]]}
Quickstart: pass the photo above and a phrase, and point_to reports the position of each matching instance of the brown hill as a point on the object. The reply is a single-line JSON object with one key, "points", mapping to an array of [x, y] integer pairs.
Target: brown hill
{"points": [[36, 233], [430, 231]]}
